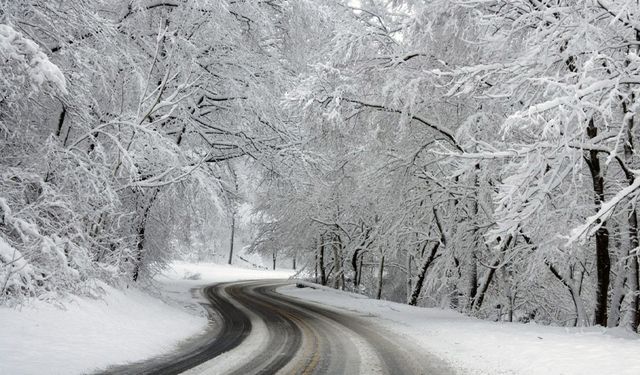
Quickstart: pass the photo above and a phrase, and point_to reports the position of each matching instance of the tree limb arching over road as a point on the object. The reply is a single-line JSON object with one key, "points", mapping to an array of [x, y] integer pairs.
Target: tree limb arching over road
{"points": [[256, 330]]}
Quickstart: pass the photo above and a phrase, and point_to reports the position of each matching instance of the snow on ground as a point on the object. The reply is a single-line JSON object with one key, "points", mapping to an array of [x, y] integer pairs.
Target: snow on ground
{"points": [[89, 333], [206, 273], [479, 347], [122, 326]]}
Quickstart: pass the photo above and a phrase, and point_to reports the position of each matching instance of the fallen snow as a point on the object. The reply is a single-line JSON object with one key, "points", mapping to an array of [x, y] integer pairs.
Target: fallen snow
{"points": [[89, 334], [473, 346], [123, 326], [207, 273]]}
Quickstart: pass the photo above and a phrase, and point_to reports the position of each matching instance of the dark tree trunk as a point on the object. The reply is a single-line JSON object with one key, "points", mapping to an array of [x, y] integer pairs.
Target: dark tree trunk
{"points": [[323, 273], [142, 225], [357, 258], [603, 261], [139, 252], [482, 290], [634, 242], [233, 231], [473, 261], [380, 275], [409, 278], [473, 278], [336, 246], [634, 287], [63, 114], [485, 286], [422, 272], [275, 256], [315, 271], [356, 271]]}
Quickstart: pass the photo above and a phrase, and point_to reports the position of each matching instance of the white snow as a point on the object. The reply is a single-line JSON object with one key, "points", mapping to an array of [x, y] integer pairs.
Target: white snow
{"points": [[16, 273], [90, 333], [473, 346], [85, 334], [23, 51], [207, 273]]}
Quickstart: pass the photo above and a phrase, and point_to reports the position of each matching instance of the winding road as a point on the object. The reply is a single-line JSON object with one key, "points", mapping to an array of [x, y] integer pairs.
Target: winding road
{"points": [[255, 330]]}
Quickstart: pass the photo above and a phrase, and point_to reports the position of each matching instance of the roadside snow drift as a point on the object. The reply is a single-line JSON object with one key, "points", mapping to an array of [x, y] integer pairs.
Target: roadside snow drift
{"points": [[90, 333]]}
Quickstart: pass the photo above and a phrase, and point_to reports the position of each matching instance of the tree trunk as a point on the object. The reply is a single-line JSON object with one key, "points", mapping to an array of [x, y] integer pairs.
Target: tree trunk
{"points": [[323, 273], [142, 225], [482, 290], [603, 262], [477, 302], [233, 230], [357, 258], [634, 241], [143, 221], [409, 277], [139, 252], [274, 259], [617, 294], [354, 265], [509, 294], [380, 275], [315, 271], [63, 115], [422, 272], [473, 262], [581, 313], [582, 320], [360, 273], [473, 277], [634, 289], [337, 262]]}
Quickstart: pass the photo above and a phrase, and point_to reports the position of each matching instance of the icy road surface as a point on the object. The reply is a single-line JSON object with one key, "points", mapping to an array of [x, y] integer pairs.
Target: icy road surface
{"points": [[256, 330]]}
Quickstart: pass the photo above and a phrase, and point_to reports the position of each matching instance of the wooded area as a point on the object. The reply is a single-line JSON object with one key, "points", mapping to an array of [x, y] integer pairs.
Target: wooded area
{"points": [[475, 155]]}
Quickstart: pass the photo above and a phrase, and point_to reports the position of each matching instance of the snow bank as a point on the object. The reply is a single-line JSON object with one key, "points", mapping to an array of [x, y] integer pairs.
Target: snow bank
{"points": [[479, 347], [90, 333]]}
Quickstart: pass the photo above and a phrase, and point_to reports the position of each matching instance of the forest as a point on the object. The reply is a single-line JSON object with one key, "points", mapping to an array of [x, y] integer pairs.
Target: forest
{"points": [[477, 155]]}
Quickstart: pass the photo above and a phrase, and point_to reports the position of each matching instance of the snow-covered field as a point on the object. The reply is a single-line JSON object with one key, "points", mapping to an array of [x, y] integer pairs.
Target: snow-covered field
{"points": [[123, 326], [478, 347]]}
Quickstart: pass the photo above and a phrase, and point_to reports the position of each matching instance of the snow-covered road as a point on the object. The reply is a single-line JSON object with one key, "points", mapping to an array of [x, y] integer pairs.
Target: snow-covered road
{"points": [[262, 331]]}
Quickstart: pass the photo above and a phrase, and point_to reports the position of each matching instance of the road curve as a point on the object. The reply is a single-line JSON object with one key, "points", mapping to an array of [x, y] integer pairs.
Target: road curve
{"points": [[256, 330]]}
